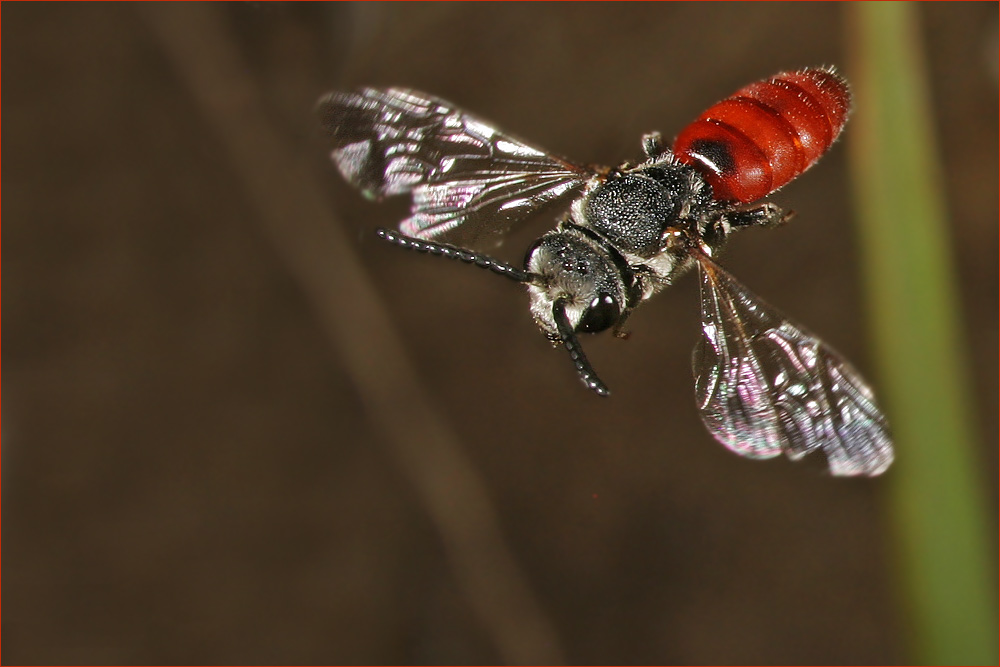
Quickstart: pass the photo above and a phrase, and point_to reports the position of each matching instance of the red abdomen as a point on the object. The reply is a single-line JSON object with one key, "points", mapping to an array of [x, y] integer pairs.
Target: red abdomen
{"points": [[752, 143]]}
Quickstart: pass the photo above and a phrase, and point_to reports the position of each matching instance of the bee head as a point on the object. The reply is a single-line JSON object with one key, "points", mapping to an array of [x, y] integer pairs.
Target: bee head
{"points": [[573, 273], [577, 286]]}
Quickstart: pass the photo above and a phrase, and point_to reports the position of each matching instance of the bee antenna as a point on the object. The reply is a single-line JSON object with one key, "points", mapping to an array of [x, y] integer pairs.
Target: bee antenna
{"points": [[572, 343], [453, 252]]}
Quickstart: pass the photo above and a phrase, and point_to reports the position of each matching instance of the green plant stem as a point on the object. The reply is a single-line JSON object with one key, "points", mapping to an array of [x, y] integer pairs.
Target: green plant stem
{"points": [[946, 572]]}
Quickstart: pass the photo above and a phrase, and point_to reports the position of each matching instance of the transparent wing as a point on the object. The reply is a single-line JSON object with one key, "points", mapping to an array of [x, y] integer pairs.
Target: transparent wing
{"points": [[469, 181], [765, 386]]}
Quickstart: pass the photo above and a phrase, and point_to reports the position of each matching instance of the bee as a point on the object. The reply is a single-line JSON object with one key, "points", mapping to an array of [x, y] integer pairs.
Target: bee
{"points": [[763, 385]]}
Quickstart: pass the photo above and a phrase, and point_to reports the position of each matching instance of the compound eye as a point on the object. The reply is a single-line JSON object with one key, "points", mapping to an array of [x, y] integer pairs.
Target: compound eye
{"points": [[600, 314]]}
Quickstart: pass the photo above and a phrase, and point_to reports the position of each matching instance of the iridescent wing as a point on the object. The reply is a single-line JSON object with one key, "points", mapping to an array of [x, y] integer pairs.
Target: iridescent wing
{"points": [[469, 181], [765, 386]]}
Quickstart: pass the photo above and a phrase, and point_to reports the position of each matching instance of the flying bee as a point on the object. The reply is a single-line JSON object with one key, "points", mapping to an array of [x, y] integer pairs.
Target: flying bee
{"points": [[763, 385]]}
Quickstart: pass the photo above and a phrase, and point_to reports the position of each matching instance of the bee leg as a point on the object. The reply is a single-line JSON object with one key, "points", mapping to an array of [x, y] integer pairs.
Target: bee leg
{"points": [[652, 145], [620, 331], [762, 215]]}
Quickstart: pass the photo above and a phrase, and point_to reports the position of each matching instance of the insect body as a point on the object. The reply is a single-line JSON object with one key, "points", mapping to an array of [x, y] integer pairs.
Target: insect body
{"points": [[763, 385]]}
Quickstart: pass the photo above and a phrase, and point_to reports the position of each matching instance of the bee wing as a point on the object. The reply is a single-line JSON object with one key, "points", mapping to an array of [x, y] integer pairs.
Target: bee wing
{"points": [[469, 181], [765, 386]]}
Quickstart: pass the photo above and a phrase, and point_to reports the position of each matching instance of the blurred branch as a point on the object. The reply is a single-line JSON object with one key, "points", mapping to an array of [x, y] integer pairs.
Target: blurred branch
{"points": [[297, 218], [937, 496]]}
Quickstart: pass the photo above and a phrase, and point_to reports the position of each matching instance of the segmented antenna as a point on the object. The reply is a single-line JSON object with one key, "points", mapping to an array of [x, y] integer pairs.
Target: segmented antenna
{"points": [[569, 339], [453, 252], [566, 333]]}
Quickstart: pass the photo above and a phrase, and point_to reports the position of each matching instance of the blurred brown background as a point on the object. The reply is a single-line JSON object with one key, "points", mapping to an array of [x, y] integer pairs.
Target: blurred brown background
{"points": [[192, 471]]}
